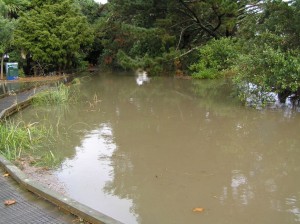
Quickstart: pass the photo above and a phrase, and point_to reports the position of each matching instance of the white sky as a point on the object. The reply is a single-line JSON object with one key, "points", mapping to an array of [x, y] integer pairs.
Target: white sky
{"points": [[101, 1]]}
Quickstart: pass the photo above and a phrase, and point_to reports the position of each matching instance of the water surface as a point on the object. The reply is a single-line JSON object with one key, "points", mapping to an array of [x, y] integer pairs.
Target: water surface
{"points": [[151, 152]]}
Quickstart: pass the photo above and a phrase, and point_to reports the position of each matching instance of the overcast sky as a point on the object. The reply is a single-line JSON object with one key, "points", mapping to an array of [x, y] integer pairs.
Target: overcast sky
{"points": [[101, 1]]}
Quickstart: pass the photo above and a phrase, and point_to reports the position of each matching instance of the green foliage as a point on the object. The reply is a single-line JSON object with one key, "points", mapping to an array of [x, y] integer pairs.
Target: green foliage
{"points": [[11, 9], [48, 159], [130, 47], [275, 23], [215, 57], [152, 65], [270, 60], [138, 13], [206, 73], [90, 9], [153, 30], [6, 29], [19, 141], [55, 34], [21, 73], [60, 95], [269, 70]]}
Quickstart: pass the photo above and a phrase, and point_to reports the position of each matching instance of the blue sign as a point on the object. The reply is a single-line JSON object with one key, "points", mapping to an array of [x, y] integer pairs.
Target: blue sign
{"points": [[12, 71]]}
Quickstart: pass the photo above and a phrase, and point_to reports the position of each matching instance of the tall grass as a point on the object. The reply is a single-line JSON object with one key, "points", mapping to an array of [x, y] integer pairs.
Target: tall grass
{"points": [[59, 95], [53, 96], [18, 139]]}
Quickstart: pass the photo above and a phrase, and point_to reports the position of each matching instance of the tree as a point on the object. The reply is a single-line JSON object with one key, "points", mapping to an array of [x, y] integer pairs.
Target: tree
{"points": [[54, 33], [198, 21], [170, 27], [6, 30], [140, 13], [90, 9], [216, 57], [12, 8], [131, 37], [270, 59]]}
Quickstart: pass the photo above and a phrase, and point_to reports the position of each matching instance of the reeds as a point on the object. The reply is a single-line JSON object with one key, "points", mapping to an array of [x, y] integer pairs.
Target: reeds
{"points": [[17, 139], [53, 96]]}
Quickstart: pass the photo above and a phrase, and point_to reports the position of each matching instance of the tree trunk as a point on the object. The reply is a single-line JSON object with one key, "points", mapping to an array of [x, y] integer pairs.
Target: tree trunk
{"points": [[2, 65], [4, 88]]}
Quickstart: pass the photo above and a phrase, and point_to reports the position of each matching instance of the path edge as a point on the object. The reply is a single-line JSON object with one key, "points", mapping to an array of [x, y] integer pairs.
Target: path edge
{"points": [[64, 202]]}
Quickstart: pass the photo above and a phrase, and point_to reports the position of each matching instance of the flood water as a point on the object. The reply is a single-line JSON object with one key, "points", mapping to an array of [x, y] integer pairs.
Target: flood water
{"points": [[151, 152]]}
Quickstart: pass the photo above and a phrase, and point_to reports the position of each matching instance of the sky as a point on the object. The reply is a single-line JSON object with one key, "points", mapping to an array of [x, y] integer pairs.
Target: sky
{"points": [[101, 1]]}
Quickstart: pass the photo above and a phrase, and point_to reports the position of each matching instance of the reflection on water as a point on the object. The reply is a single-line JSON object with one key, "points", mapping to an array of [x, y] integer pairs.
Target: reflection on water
{"points": [[141, 77], [86, 175], [152, 153]]}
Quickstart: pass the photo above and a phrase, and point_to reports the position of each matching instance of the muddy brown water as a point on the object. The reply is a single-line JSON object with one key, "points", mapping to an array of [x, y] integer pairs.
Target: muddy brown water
{"points": [[151, 151]]}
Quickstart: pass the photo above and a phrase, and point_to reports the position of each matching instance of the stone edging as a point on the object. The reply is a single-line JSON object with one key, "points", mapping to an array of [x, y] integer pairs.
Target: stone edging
{"points": [[61, 201], [15, 108]]}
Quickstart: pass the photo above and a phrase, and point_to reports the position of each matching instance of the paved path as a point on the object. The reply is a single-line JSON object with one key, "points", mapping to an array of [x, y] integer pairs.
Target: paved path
{"points": [[28, 207], [7, 103]]}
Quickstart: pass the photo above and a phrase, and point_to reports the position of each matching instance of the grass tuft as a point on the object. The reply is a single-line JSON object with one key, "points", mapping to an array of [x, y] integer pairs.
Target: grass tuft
{"points": [[55, 96], [18, 139]]}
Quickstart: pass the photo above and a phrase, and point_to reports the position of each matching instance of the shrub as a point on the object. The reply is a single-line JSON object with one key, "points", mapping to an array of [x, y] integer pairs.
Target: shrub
{"points": [[269, 70], [215, 57]]}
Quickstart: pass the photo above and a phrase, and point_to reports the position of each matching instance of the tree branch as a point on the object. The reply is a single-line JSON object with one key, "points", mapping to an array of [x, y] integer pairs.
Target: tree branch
{"points": [[181, 34], [197, 20]]}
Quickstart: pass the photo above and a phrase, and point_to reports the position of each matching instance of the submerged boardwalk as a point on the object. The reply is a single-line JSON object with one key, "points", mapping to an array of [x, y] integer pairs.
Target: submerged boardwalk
{"points": [[8, 103], [28, 207]]}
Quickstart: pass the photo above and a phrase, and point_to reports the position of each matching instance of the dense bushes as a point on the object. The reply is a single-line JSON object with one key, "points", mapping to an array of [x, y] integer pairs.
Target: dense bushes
{"points": [[215, 57], [271, 70]]}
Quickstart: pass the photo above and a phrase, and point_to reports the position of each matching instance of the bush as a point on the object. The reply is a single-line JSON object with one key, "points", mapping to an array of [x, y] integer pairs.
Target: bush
{"points": [[207, 73], [269, 70], [215, 57]]}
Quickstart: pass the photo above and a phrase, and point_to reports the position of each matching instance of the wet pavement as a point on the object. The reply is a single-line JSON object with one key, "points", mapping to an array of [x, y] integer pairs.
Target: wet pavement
{"points": [[8, 102], [28, 208]]}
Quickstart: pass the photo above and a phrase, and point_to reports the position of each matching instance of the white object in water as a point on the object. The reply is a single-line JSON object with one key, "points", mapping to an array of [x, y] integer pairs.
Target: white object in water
{"points": [[142, 77]]}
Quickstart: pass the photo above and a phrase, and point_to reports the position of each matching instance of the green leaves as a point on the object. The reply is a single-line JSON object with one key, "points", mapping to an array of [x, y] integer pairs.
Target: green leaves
{"points": [[54, 34], [270, 58], [6, 29], [215, 57], [269, 69]]}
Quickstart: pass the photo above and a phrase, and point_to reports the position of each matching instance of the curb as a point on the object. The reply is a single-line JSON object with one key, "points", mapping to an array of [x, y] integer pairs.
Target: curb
{"points": [[22, 104], [66, 203], [15, 108]]}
